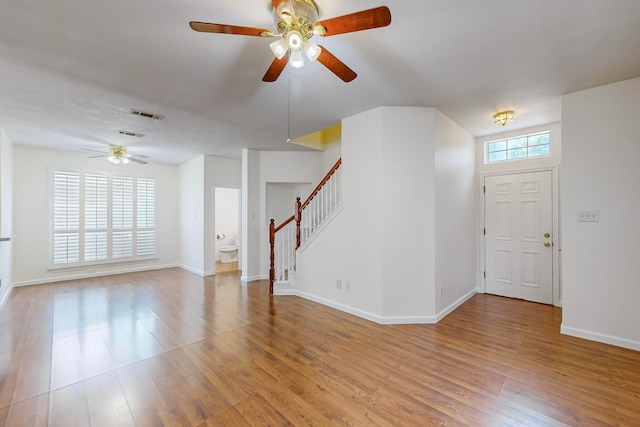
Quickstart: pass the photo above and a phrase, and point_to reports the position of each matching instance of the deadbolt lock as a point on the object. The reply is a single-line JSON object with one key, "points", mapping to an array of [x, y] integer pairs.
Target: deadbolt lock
{"points": [[547, 235], [547, 244]]}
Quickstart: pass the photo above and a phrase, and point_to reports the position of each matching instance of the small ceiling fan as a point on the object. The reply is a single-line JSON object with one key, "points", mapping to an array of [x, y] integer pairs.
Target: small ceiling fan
{"points": [[118, 154], [297, 22]]}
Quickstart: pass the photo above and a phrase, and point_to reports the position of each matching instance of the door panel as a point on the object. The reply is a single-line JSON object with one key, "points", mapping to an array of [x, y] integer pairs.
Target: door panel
{"points": [[518, 213]]}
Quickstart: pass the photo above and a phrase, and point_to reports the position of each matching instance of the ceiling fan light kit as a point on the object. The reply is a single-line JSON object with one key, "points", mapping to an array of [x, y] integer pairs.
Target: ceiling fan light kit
{"points": [[297, 22], [118, 154]]}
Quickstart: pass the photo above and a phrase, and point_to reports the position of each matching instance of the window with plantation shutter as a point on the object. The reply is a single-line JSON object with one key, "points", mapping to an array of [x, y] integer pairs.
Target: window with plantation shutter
{"points": [[66, 218], [98, 218], [146, 216], [122, 217]]}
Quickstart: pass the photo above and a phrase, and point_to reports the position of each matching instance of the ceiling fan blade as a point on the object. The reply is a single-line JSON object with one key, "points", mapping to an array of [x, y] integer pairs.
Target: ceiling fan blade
{"points": [[95, 157], [133, 159], [207, 27], [140, 156], [364, 20], [94, 151], [336, 66], [275, 69], [283, 7]]}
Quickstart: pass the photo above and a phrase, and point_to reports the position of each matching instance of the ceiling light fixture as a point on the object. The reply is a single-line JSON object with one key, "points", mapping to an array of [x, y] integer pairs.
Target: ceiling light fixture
{"points": [[295, 32], [503, 117], [118, 154]]}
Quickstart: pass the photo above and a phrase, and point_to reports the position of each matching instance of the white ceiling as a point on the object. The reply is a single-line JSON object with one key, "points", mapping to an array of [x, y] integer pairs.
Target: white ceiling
{"points": [[71, 70]]}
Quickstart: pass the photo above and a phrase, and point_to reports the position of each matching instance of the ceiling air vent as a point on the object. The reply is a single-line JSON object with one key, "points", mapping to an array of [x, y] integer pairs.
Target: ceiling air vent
{"points": [[147, 115], [129, 133]]}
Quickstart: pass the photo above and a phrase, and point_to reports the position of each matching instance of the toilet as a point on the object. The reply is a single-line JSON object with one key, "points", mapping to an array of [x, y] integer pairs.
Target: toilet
{"points": [[229, 253]]}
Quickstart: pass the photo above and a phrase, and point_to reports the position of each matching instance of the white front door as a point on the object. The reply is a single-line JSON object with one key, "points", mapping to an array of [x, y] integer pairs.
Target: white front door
{"points": [[519, 241]]}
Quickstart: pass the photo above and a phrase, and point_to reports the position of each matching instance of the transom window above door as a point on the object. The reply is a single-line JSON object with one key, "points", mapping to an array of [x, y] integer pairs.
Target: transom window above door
{"points": [[518, 147]]}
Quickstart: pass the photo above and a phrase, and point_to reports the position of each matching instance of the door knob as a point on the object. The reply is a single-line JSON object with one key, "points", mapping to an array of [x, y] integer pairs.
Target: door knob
{"points": [[547, 235], [547, 244]]}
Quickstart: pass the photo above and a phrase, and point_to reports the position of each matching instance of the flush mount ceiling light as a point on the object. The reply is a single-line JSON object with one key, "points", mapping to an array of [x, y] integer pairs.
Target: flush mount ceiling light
{"points": [[503, 117]]}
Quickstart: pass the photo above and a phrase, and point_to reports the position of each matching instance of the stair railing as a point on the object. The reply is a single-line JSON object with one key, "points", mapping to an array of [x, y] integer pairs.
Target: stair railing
{"points": [[294, 231]]}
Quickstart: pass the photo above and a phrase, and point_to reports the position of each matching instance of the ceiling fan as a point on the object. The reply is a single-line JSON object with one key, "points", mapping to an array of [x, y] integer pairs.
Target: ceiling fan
{"points": [[118, 154], [297, 22]]}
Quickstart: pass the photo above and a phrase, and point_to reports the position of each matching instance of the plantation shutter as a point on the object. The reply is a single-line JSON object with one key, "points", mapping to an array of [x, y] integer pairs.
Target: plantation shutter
{"points": [[122, 217], [96, 217], [146, 217], [66, 217]]}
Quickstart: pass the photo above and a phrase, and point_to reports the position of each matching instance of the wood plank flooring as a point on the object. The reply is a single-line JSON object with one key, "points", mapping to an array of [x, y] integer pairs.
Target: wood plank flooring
{"points": [[170, 348]]}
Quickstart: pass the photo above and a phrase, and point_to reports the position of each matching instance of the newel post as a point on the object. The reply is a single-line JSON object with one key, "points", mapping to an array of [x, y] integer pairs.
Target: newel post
{"points": [[298, 219], [272, 257]]}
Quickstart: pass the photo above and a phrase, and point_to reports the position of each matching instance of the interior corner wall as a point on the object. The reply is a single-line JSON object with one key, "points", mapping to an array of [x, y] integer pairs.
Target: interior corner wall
{"points": [[600, 269], [383, 241], [192, 215], [456, 213], [349, 248], [406, 195], [6, 215], [218, 172]]}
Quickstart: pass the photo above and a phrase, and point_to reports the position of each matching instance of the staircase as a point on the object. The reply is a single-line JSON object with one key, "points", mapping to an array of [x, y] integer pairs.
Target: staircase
{"points": [[306, 222]]}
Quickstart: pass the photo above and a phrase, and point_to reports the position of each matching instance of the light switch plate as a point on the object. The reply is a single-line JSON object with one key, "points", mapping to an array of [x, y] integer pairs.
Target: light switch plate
{"points": [[588, 216]]}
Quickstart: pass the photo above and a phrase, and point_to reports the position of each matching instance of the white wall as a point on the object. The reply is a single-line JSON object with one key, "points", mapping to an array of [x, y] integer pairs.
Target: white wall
{"points": [[6, 215], [281, 198], [600, 270], [456, 211], [384, 241], [31, 213], [191, 204]]}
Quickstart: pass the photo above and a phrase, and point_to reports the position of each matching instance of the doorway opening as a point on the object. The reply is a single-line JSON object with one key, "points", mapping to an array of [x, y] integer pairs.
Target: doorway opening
{"points": [[227, 229]]}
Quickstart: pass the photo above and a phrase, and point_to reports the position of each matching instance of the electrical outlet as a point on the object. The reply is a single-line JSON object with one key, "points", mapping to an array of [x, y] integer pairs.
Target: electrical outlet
{"points": [[0, 283], [441, 290], [338, 284], [347, 286]]}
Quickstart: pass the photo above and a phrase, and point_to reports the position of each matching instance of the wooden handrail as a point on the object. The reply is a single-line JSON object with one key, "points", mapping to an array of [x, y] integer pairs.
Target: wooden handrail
{"points": [[322, 183], [297, 217], [284, 224], [272, 255]]}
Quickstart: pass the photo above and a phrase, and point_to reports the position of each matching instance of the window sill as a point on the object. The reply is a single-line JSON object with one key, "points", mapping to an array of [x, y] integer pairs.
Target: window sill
{"points": [[101, 265]]}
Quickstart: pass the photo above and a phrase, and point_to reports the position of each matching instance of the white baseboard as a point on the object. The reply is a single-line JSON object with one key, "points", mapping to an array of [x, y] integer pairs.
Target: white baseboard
{"points": [[192, 270], [603, 338], [283, 288], [251, 278], [338, 306], [455, 305], [383, 320], [6, 297], [93, 274]]}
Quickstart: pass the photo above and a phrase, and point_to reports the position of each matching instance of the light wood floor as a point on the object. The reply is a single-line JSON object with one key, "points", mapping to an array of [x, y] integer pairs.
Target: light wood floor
{"points": [[170, 348], [226, 267]]}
